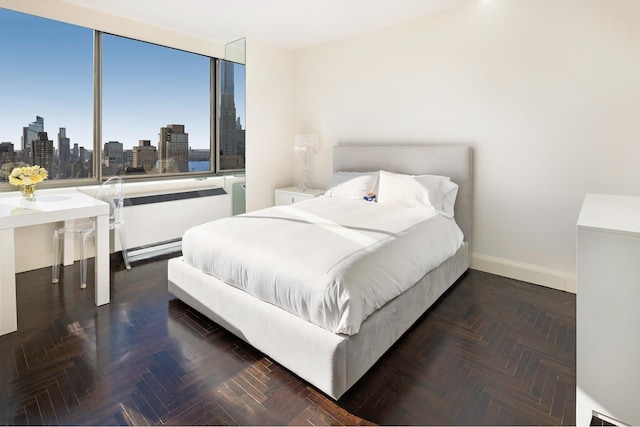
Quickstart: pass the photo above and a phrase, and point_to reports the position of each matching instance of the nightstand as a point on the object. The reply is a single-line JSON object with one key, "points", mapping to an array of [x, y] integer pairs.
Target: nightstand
{"points": [[290, 195]]}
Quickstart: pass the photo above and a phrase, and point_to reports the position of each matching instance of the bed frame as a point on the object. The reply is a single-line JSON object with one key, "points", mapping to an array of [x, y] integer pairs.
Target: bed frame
{"points": [[334, 362]]}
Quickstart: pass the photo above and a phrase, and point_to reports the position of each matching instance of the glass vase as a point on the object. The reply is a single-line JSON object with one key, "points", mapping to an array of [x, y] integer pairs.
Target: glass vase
{"points": [[28, 191]]}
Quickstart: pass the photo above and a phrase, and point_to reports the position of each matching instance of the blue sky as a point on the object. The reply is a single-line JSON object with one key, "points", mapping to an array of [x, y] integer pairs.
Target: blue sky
{"points": [[46, 69]]}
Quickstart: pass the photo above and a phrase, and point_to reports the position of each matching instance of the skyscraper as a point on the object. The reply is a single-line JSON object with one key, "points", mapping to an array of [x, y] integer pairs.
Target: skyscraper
{"points": [[7, 157], [74, 154], [30, 132], [231, 133], [173, 149], [82, 166], [144, 156], [113, 158], [64, 152], [42, 151]]}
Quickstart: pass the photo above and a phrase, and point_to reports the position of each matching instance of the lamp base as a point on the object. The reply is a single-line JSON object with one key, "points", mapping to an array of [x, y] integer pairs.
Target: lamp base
{"points": [[304, 182]]}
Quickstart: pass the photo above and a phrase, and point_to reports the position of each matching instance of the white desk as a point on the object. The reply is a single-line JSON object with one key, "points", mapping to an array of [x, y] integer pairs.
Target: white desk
{"points": [[16, 211]]}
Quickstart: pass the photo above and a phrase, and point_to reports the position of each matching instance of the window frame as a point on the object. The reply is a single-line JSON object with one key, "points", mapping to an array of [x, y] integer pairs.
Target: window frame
{"points": [[214, 139]]}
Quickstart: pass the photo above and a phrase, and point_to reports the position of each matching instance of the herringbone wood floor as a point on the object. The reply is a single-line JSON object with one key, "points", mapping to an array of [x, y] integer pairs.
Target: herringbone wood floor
{"points": [[492, 351]]}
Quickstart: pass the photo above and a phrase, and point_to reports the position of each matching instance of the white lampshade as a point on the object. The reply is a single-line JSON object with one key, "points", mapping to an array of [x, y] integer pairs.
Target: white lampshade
{"points": [[306, 142]]}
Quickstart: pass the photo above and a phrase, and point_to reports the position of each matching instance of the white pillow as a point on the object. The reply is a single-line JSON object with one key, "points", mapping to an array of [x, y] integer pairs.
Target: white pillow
{"points": [[352, 185], [435, 191], [450, 190]]}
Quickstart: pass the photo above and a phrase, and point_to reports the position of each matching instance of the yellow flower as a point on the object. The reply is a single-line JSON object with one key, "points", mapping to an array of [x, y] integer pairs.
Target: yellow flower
{"points": [[28, 175]]}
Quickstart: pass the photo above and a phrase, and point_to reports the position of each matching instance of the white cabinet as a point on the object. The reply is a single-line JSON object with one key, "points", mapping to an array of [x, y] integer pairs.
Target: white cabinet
{"points": [[290, 195], [608, 309]]}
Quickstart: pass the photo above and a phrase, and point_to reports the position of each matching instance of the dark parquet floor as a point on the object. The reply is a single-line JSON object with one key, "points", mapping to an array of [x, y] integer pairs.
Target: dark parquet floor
{"points": [[492, 351]]}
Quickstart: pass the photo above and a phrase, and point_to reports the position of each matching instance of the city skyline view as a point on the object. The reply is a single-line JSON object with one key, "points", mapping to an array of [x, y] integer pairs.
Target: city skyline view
{"points": [[145, 86]]}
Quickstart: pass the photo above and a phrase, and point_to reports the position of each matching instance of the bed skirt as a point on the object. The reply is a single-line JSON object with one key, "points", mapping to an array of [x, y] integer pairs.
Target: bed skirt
{"points": [[331, 362]]}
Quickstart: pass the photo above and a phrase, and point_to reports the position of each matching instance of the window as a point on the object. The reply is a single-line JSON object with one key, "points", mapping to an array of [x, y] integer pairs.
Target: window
{"points": [[46, 82], [156, 108], [161, 112]]}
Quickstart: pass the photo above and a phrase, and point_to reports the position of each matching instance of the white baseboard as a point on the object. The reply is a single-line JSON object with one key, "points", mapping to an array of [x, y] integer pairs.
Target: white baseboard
{"points": [[525, 272]]}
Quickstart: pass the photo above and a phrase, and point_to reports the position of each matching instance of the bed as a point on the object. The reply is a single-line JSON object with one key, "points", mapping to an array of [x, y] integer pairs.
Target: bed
{"points": [[331, 353]]}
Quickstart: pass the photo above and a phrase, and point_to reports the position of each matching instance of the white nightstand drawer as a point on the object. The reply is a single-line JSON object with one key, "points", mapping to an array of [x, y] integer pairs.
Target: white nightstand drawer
{"points": [[290, 195]]}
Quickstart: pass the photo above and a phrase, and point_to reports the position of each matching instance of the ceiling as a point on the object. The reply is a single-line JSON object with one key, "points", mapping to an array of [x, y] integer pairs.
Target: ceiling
{"points": [[291, 24]]}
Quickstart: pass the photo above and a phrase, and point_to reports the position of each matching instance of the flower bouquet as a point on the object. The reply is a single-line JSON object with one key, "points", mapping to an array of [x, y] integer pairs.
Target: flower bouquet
{"points": [[27, 177]]}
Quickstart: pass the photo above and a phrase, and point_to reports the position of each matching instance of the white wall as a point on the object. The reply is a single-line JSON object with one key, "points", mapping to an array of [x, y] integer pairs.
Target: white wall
{"points": [[546, 91], [269, 135]]}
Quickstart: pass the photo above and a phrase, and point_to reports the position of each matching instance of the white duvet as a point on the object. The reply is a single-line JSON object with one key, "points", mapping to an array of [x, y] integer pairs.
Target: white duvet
{"points": [[328, 260]]}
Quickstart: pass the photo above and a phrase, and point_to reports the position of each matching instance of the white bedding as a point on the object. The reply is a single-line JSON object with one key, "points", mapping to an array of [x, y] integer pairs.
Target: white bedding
{"points": [[330, 261]]}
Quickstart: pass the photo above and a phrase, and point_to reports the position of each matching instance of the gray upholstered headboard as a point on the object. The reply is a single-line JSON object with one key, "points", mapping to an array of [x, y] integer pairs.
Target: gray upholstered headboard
{"points": [[455, 162]]}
